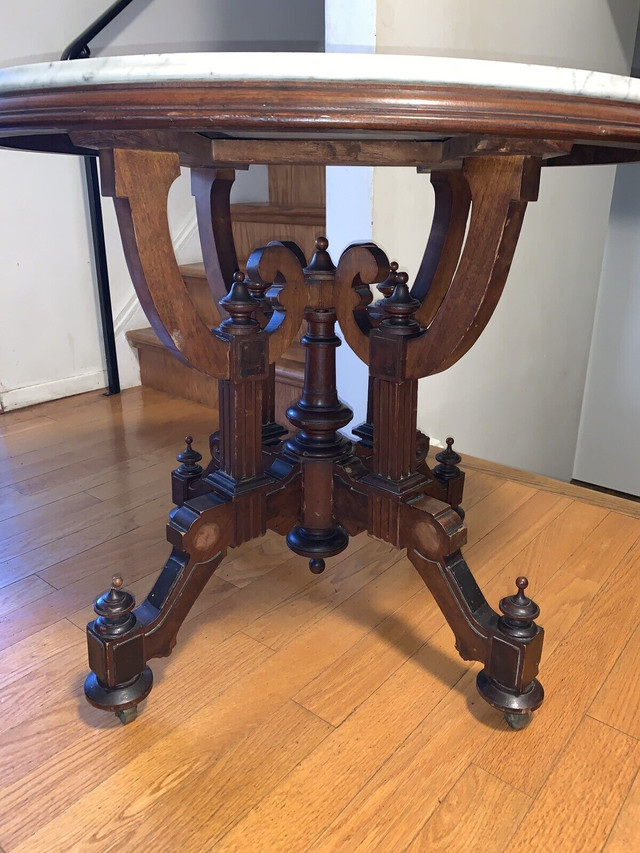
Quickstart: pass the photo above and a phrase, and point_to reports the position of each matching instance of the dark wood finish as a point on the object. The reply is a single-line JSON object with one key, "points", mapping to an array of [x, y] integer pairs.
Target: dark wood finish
{"points": [[316, 487], [211, 189], [139, 182], [357, 108]]}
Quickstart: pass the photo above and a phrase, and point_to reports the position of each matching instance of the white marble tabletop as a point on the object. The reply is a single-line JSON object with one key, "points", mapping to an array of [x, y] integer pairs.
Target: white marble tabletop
{"points": [[323, 67]]}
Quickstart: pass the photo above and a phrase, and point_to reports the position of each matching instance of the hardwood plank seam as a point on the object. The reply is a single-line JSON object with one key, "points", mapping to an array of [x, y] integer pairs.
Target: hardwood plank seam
{"points": [[614, 822], [472, 763], [610, 726], [314, 582], [440, 802], [500, 521], [248, 637], [77, 627], [313, 713], [604, 674], [622, 557], [392, 753], [559, 757]]}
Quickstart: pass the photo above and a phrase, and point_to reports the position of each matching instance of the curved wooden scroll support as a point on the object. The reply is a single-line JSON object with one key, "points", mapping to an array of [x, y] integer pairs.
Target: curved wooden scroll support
{"points": [[276, 263], [211, 189], [139, 182], [500, 189], [359, 266], [442, 252]]}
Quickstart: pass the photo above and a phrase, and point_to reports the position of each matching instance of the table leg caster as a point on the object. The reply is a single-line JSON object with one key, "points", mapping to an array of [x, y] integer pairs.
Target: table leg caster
{"points": [[518, 721], [128, 715], [122, 699], [516, 707]]}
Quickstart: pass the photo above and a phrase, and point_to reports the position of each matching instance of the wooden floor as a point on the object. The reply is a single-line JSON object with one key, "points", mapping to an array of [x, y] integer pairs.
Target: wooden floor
{"points": [[301, 712]]}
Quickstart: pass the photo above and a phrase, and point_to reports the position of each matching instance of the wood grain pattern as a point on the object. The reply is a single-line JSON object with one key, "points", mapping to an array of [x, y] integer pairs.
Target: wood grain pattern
{"points": [[410, 758], [626, 830], [597, 759], [458, 823], [356, 107], [618, 701]]}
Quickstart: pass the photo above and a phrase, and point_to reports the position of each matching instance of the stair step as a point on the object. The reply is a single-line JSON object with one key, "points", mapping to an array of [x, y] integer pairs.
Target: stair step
{"points": [[161, 370]]}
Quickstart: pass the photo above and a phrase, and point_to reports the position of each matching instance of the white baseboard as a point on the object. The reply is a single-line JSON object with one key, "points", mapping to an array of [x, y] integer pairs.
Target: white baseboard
{"points": [[42, 393]]}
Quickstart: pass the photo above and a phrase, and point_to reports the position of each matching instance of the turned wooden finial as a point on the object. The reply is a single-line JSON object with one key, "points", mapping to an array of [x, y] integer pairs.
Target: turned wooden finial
{"points": [[519, 612], [189, 459], [113, 609], [400, 307], [316, 565], [257, 288], [387, 287], [449, 461], [321, 263], [239, 303]]}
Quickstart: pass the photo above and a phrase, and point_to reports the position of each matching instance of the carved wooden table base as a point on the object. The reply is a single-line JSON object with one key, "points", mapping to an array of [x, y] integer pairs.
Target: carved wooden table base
{"points": [[317, 488]]}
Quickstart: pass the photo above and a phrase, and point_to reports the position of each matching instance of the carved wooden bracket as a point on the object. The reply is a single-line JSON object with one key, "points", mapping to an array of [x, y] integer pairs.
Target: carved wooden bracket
{"points": [[211, 189], [460, 280], [278, 263], [442, 252], [139, 182], [359, 266], [500, 188]]}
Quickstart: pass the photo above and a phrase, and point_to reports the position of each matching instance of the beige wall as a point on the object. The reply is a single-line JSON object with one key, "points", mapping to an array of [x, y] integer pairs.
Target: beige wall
{"points": [[516, 397]]}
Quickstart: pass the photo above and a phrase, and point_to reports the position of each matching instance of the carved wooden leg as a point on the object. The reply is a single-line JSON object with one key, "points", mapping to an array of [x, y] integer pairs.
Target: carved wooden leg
{"points": [[123, 639], [510, 645]]}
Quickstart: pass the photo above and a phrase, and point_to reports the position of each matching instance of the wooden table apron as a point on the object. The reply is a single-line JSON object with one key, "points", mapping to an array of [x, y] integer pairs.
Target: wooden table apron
{"points": [[484, 148]]}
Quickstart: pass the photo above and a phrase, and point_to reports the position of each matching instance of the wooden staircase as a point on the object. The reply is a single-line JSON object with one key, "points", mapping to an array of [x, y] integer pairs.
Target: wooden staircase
{"points": [[295, 211]]}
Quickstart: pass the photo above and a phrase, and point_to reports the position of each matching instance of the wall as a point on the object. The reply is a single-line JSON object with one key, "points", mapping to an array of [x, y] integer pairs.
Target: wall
{"points": [[516, 399], [608, 452], [49, 322]]}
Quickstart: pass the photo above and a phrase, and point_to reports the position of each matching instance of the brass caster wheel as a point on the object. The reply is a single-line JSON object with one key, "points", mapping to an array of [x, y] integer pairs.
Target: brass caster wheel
{"points": [[127, 715], [518, 721]]}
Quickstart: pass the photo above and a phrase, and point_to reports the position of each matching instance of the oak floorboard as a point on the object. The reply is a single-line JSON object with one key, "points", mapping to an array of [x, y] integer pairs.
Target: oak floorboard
{"points": [[293, 815], [625, 835], [458, 823], [618, 701], [76, 768], [195, 798], [361, 727], [60, 749], [598, 766], [101, 530], [31, 654]]}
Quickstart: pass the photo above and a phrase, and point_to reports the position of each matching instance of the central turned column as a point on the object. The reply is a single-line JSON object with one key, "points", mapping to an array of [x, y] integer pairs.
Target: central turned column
{"points": [[317, 445]]}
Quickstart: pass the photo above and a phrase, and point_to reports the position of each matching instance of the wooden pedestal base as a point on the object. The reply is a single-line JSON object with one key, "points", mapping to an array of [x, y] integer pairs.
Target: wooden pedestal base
{"points": [[317, 488]]}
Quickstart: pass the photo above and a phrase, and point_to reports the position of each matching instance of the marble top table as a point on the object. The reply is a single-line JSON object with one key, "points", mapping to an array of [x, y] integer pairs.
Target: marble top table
{"points": [[310, 96], [483, 130]]}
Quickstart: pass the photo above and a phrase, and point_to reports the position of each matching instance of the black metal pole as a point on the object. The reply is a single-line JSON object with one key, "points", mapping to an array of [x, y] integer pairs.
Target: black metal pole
{"points": [[102, 274], [79, 49]]}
